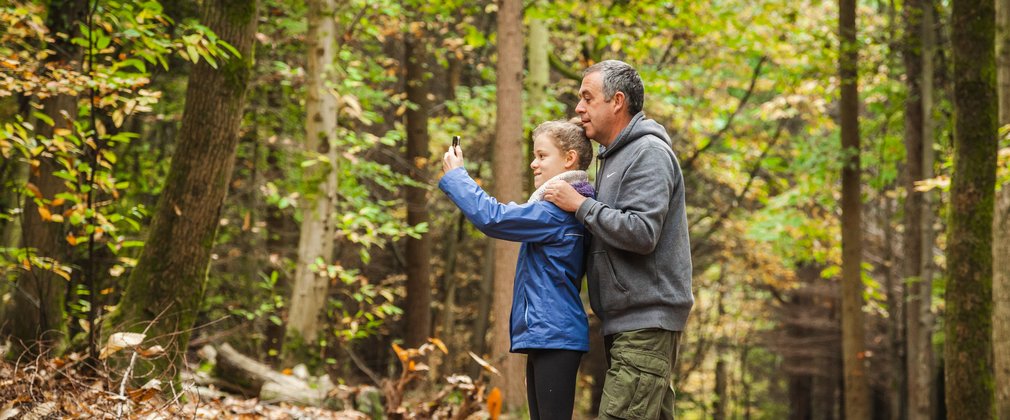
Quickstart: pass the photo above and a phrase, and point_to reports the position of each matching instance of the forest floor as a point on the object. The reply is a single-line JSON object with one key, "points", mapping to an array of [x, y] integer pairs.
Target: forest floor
{"points": [[66, 387]]}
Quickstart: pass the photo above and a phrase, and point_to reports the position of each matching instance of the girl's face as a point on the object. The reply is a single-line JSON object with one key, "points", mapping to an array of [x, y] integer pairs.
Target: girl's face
{"points": [[549, 160]]}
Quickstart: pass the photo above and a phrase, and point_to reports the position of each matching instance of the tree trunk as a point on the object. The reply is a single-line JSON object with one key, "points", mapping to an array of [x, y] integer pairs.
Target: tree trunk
{"points": [[539, 45], [968, 352], [165, 290], [1001, 229], [484, 300], [720, 407], [917, 344], [926, 360], [418, 307], [853, 335], [309, 290], [507, 166], [37, 322]]}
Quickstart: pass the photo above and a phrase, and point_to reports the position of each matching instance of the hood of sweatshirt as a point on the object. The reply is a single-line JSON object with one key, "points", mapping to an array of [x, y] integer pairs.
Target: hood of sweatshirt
{"points": [[638, 127]]}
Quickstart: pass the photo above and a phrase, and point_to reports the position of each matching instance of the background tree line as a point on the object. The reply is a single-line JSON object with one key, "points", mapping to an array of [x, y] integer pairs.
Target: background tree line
{"points": [[261, 173]]}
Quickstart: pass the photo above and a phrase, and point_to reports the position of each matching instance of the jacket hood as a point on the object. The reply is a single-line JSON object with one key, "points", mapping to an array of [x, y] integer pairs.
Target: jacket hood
{"points": [[638, 127], [578, 179]]}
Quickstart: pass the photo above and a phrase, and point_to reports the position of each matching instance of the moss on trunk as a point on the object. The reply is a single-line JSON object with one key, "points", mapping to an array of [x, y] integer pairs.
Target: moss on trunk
{"points": [[968, 352], [166, 289]]}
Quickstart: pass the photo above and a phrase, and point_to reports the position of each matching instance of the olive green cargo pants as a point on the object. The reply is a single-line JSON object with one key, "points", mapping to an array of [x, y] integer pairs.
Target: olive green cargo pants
{"points": [[639, 382]]}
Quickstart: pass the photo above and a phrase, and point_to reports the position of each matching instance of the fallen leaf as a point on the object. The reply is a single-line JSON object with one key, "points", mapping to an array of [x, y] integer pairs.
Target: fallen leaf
{"points": [[119, 341], [494, 403], [484, 363]]}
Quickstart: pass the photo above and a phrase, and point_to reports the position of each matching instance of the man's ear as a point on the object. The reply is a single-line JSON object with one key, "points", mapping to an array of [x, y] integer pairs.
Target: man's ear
{"points": [[620, 102]]}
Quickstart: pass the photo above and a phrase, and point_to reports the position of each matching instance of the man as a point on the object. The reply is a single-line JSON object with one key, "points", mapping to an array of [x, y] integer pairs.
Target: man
{"points": [[639, 264]]}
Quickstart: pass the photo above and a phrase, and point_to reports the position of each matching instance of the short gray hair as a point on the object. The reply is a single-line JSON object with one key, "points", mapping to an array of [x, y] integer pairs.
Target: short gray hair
{"points": [[619, 76], [568, 135]]}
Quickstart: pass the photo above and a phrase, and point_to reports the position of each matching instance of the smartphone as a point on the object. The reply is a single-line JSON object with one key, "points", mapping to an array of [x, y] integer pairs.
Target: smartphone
{"points": [[455, 141]]}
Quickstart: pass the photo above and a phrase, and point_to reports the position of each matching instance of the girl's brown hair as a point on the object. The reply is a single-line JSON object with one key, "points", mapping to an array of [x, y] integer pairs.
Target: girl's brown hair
{"points": [[568, 135]]}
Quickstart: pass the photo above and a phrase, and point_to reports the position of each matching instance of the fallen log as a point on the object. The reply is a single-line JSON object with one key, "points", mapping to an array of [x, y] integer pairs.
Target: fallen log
{"points": [[251, 378]]}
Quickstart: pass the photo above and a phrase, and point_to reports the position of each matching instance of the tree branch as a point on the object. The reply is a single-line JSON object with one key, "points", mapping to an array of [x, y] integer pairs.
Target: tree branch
{"points": [[737, 199], [713, 138], [563, 68]]}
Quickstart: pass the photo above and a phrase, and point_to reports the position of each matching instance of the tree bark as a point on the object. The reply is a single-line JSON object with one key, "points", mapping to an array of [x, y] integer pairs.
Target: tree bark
{"points": [[507, 166], [918, 343], [418, 307], [538, 47], [309, 290], [853, 335], [968, 352], [1001, 228], [165, 290], [37, 322]]}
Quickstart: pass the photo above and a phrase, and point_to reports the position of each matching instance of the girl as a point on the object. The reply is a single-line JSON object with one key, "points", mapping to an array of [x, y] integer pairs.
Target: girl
{"points": [[548, 322]]}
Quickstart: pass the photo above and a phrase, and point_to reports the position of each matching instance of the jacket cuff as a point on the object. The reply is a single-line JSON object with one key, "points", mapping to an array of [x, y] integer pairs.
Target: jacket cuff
{"points": [[583, 210]]}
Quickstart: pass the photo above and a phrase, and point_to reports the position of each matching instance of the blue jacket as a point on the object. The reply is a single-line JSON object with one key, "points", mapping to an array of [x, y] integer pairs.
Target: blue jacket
{"points": [[547, 311]]}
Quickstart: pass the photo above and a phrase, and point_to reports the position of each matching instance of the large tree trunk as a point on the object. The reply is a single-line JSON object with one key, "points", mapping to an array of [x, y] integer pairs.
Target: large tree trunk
{"points": [[853, 335], [309, 290], [418, 308], [1001, 229], [507, 166], [968, 352], [35, 315], [166, 288], [917, 344]]}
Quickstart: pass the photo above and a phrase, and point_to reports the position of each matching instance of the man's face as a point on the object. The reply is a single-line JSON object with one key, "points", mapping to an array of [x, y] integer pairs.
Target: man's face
{"points": [[598, 115]]}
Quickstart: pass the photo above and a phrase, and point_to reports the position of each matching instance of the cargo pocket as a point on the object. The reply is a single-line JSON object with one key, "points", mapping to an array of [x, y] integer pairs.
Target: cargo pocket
{"points": [[636, 385]]}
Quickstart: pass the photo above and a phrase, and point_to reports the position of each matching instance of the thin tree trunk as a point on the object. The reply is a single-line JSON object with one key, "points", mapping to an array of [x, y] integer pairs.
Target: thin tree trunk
{"points": [[968, 344], [165, 290], [918, 364], [720, 409], [853, 335], [36, 311], [1001, 228], [926, 360], [538, 47], [507, 166], [484, 302], [309, 290], [418, 307]]}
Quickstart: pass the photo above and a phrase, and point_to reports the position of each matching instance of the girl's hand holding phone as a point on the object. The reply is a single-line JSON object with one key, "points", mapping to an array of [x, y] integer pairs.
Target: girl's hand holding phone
{"points": [[453, 158]]}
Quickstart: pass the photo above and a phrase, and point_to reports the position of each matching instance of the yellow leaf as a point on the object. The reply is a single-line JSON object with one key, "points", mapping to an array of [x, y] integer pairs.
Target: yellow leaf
{"points": [[34, 190], [45, 214], [400, 353], [494, 403], [62, 273], [57, 202], [287, 372], [411, 366], [420, 162], [151, 352], [71, 239], [438, 343], [63, 132]]}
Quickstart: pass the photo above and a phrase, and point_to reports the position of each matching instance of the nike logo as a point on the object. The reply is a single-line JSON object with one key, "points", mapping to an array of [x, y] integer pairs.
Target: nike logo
{"points": [[610, 174]]}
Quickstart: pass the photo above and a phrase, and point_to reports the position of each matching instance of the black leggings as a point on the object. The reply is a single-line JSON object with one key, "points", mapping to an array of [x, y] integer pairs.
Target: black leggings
{"points": [[550, 383]]}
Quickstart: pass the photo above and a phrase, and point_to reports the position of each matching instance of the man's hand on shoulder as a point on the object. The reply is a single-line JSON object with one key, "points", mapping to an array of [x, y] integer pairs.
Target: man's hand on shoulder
{"points": [[563, 195]]}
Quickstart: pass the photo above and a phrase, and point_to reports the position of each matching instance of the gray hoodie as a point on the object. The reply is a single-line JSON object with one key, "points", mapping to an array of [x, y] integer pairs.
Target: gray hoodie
{"points": [[639, 261]]}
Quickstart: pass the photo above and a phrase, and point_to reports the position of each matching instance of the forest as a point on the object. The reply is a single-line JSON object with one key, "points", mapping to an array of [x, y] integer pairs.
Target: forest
{"points": [[229, 208]]}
